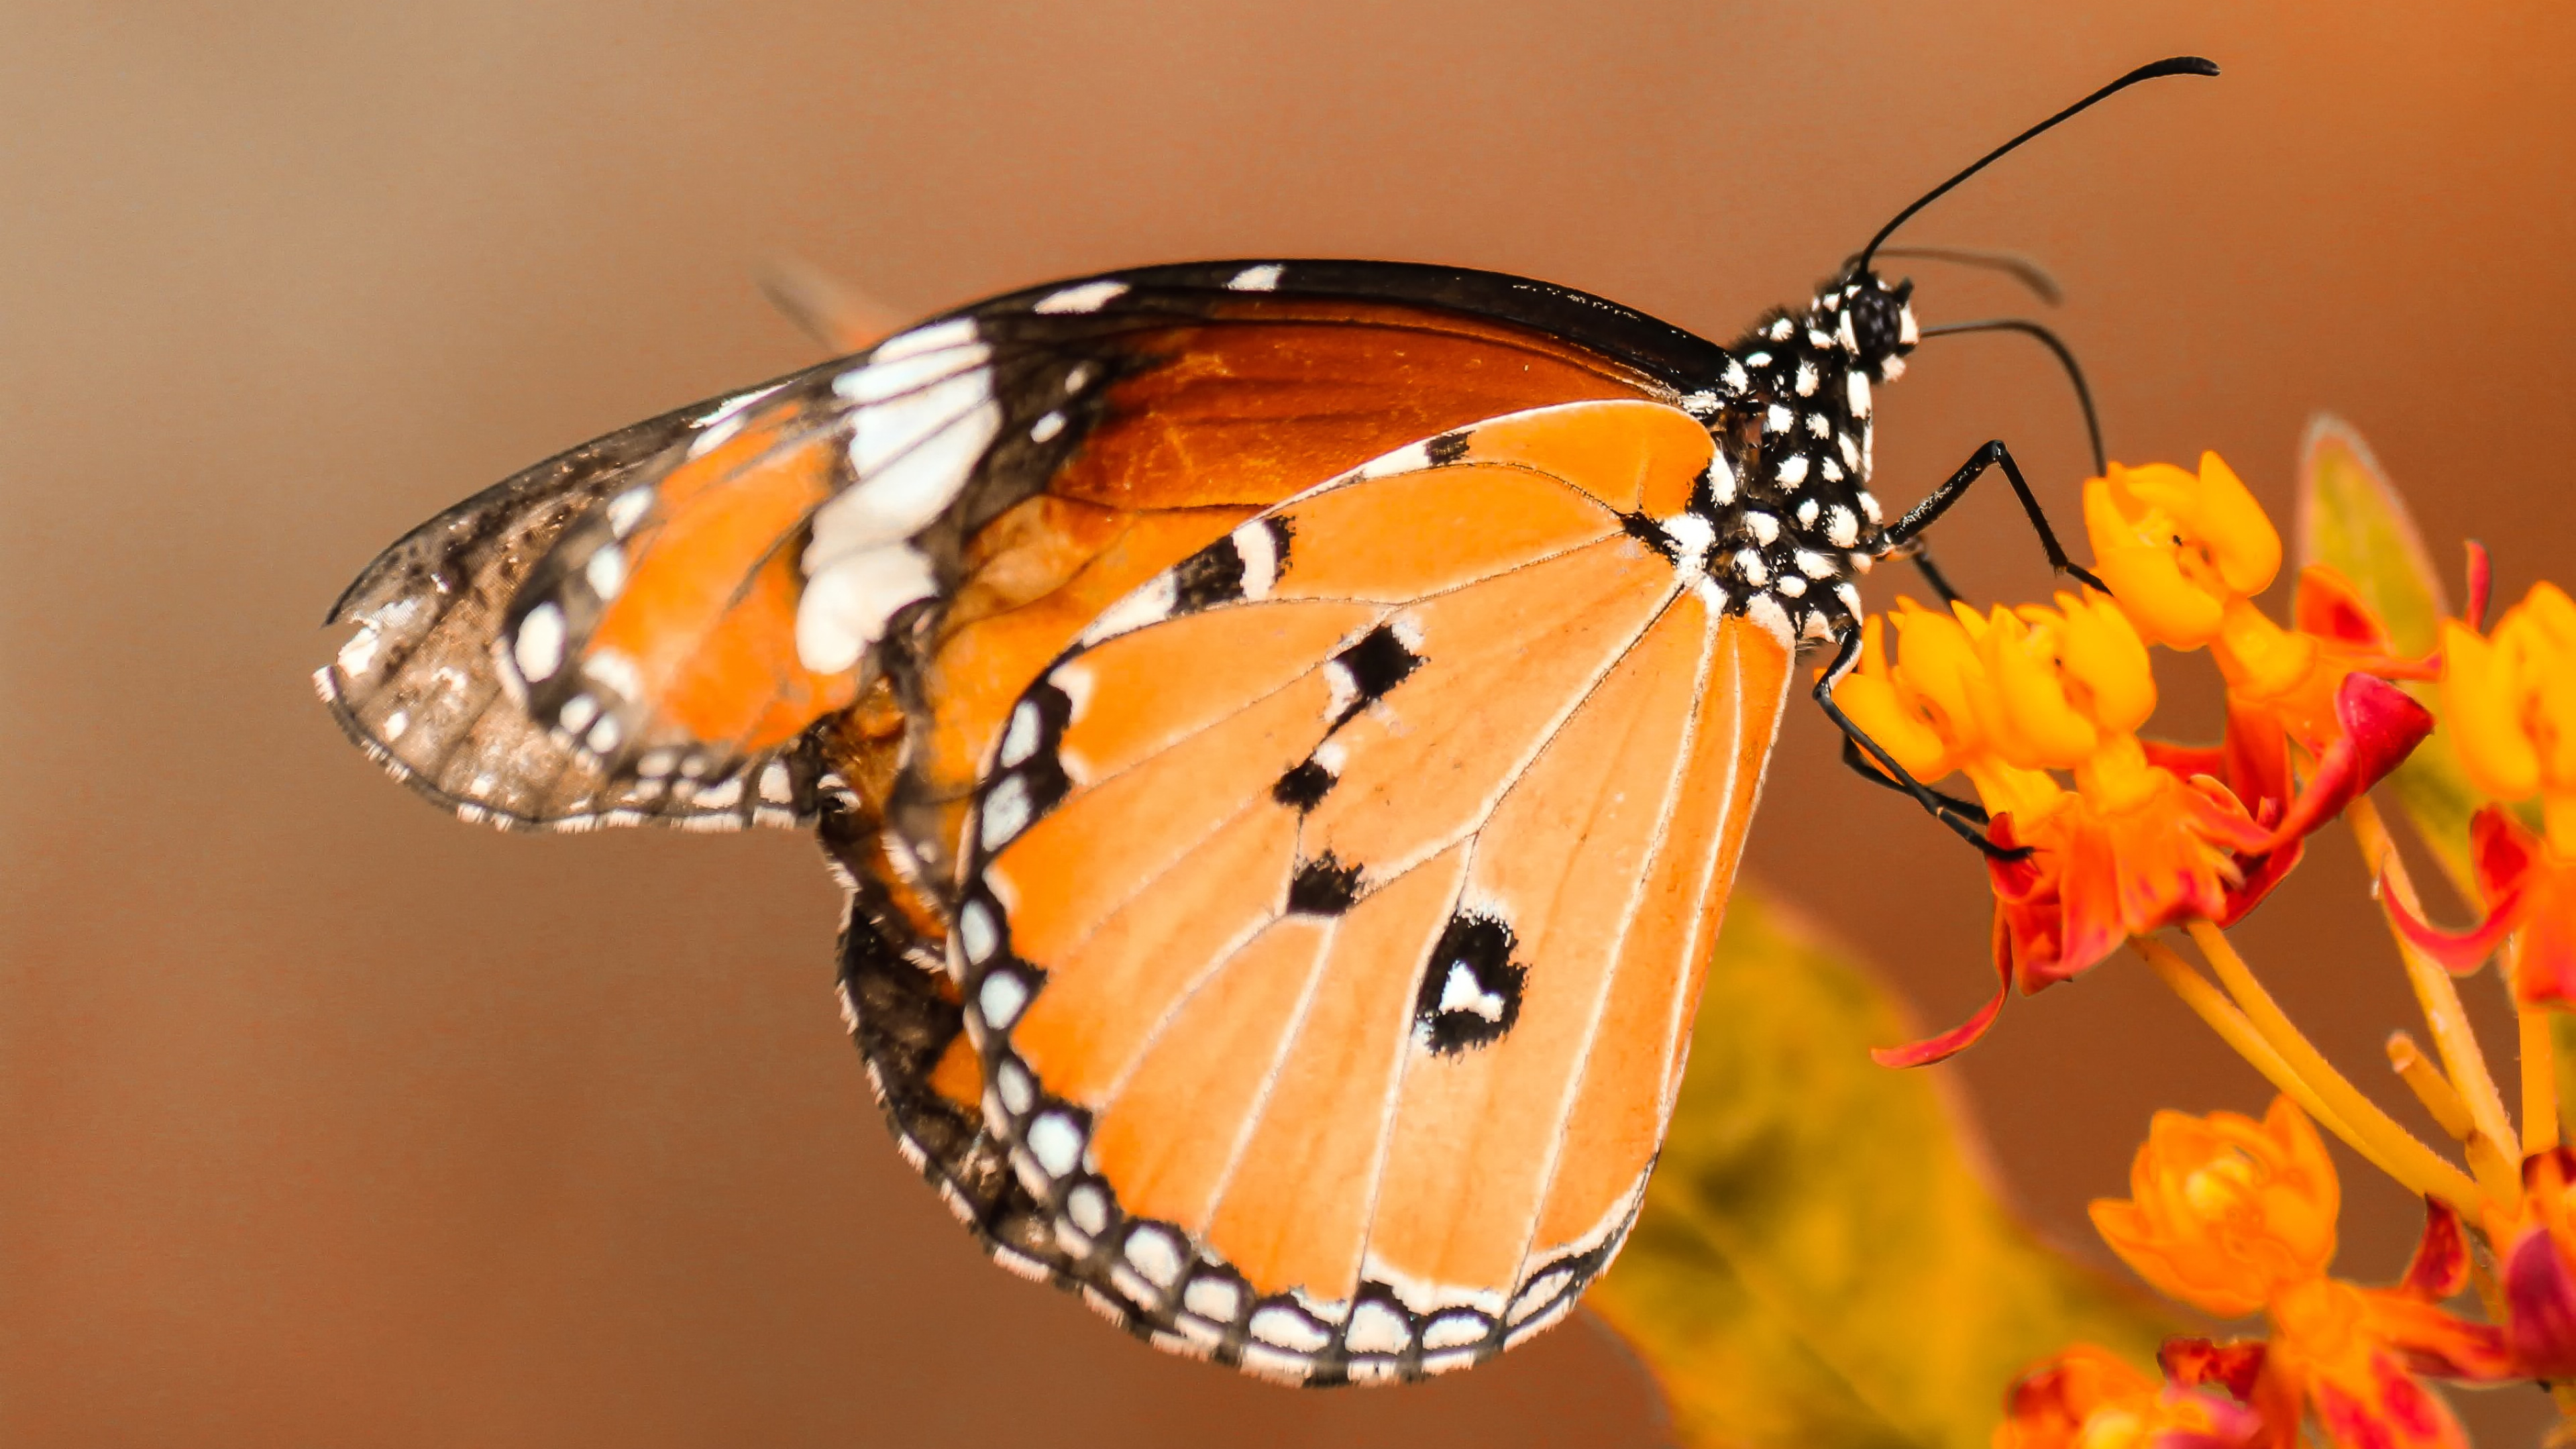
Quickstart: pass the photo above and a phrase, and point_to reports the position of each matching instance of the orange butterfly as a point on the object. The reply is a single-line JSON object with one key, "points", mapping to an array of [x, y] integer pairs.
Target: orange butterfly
{"points": [[1288, 729]]}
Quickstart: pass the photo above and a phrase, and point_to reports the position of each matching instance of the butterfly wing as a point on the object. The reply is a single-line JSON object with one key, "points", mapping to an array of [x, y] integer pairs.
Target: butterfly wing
{"points": [[646, 628], [418, 685], [1331, 910]]}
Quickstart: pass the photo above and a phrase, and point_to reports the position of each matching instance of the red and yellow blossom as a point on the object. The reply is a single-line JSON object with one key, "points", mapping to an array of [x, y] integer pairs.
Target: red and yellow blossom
{"points": [[2089, 1398], [2233, 1216], [2510, 700], [2151, 835], [2009, 696]]}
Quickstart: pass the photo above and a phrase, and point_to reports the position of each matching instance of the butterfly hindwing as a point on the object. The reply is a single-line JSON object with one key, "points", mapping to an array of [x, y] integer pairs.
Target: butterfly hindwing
{"points": [[1330, 907]]}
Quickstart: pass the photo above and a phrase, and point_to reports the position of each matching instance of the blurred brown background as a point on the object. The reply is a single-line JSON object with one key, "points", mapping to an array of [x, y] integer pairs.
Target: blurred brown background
{"points": [[325, 1119]]}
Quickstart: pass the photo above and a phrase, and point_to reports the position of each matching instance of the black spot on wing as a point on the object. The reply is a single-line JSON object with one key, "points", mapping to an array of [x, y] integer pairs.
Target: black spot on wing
{"points": [[1324, 887], [1446, 448], [1213, 575], [1375, 665], [1304, 786], [1471, 989]]}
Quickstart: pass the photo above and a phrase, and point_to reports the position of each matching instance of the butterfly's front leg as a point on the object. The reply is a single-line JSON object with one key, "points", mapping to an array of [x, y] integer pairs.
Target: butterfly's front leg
{"points": [[1908, 529]]}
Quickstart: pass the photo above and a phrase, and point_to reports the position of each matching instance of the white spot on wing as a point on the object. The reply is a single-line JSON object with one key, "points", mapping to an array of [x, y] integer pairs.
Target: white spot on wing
{"points": [[360, 651], [1045, 429], [1000, 999], [1765, 611], [1155, 1255], [1262, 278], [1055, 1142], [606, 571], [1149, 604], [1793, 470], [1086, 297], [539, 648], [1021, 740], [1005, 812], [1259, 550], [976, 932], [937, 337], [847, 605], [627, 509]]}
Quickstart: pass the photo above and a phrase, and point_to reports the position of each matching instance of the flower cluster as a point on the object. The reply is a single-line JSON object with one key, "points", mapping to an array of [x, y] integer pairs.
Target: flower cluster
{"points": [[2110, 837], [2150, 835], [2235, 1216]]}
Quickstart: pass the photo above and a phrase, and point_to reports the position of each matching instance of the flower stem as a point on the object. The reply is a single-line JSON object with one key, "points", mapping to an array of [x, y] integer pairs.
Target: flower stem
{"points": [[2462, 1060], [2428, 1174], [2392, 1148]]}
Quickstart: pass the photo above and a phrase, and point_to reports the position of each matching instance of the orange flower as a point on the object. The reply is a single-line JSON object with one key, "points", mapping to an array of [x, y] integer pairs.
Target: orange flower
{"points": [[2231, 1215], [2510, 700], [2088, 1398], [2225, 1211]]}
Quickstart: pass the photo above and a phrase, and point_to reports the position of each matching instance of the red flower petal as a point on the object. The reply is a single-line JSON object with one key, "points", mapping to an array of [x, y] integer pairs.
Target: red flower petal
{"points": [[2540, 1307], [2381, 726], [2460, 952], [2192, 1362], [2441, 1265]]}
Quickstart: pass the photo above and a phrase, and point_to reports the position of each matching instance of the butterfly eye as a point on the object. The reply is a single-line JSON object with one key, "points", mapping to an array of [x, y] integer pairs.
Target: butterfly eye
{"points": [[1878, 321]]}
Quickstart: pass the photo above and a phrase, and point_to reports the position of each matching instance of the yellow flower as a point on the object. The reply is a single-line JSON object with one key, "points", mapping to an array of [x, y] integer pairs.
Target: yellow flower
{"points": [[2226, 1213], [2510, 700], [2181, 553]]}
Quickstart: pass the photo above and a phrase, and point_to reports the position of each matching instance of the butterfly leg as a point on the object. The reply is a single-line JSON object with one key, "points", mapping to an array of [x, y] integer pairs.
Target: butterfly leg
{"points": [[1860, 764], [1939, 583], [1994, 454], [1933, 801]]}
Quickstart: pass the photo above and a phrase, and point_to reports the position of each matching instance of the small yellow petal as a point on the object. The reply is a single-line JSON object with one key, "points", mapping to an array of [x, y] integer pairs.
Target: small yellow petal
{"points": [[2165, 605], [2478, 707], [2233, 527], [1874, 705], [2041, 729], [2102, 650]]}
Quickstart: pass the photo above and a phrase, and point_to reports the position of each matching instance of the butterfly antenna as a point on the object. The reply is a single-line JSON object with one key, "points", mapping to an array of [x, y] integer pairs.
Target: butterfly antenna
{"points": [[2065, 359], [2012, 264], [2175, 65]]}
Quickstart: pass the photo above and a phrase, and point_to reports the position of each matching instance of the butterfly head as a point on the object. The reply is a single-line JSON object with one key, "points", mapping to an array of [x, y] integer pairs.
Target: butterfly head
{"points": [[1872, 320]]}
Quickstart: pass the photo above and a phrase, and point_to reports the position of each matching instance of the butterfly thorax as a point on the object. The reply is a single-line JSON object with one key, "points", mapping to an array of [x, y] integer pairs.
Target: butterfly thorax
{"points": [[1789, 499]]}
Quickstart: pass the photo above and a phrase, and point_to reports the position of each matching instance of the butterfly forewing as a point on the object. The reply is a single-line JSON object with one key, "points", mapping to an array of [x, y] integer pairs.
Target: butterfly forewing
{"points": [[420, 684], [1323, 884]]}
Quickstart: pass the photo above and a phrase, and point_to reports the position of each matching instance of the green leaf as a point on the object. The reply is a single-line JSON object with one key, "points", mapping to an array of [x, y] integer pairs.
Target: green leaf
{"points": [[1818, 1262], [2351, 517]]}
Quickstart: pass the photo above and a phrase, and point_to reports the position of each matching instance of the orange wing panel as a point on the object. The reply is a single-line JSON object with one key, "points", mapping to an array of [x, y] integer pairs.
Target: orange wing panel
{"points": [[1633, 456], [1560, 862], [1107, 996], [1171, 1136], [1504, 661], [1411, 535], [1070, 870], [1296, 1211], [1142, 693]]}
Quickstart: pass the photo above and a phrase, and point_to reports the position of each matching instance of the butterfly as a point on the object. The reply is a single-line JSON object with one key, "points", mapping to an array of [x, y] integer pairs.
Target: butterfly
{"points": [[1288, 730]]}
